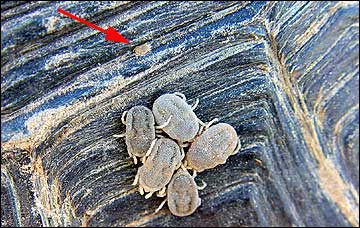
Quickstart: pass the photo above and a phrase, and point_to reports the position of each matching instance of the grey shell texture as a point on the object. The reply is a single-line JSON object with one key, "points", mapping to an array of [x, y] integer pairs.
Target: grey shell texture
{"points": [[182, 194], [140, 130], [161, 164], [184, 124], [212, 147]]}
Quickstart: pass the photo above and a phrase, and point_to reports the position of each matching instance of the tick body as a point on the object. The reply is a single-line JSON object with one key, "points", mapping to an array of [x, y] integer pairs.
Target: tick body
{"points": [[176, 116], [212, 147], [140, 130], [142, 49], [182, 194], [164, 158]]}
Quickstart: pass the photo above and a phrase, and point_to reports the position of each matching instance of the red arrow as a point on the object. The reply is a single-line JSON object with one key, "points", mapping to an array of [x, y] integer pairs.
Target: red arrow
{"points": [[110, 33]]}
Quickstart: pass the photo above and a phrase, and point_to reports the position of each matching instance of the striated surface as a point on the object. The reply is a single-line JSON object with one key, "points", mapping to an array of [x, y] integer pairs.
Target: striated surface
{"points": [[285, 75]]}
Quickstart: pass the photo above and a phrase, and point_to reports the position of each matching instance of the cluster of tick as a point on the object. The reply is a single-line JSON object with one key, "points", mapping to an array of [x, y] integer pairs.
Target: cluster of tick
{"points": [[170, 140]]}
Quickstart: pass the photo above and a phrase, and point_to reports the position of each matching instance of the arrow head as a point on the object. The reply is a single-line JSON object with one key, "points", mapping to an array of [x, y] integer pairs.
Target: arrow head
{"points": [[112, 35]]}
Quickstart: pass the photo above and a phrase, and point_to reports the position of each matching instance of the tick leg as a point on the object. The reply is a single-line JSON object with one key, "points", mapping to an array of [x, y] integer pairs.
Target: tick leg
{"points": [[162, 192], [238, 147], [182, 145], [158, 131], [202, 126], [148, 152], [194, 174], [164, 124], [159, 135], [141, 190], [200, 130], [180, 95], [136, 180], [202, 186], [160, 195], [195, 104], [160, 206], [135, 159], [201, 122], [147, 196], [184, 165], [123, 117], [120, 135], [182, 153], [211, 122]]}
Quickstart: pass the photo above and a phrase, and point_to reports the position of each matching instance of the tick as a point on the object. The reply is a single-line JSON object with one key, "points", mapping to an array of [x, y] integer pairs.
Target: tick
{"points": [[159, 164], [182, 194], [176, 116], [212, 147]]}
